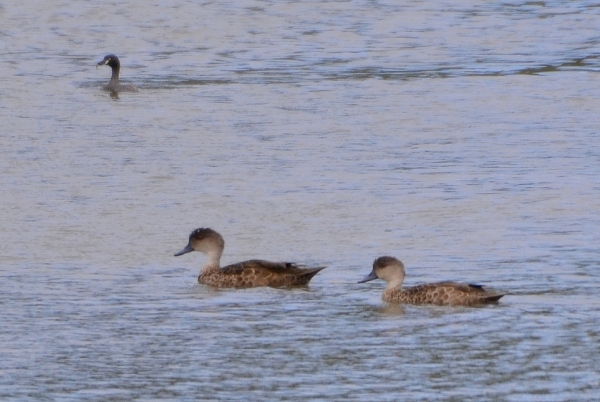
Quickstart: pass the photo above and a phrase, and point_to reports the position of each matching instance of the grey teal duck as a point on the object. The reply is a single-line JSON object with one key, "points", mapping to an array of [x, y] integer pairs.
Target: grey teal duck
{"points": [[391, 270], [246, 274]]}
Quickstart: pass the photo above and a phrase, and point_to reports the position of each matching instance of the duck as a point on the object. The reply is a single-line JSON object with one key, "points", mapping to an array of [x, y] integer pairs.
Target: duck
{"points": [[114, 85], [245, 274], [391, 270]]}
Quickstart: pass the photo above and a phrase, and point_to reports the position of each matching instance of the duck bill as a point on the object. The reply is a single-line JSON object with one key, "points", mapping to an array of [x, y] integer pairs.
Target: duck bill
{"points": [[370, 277], [187, 249]]}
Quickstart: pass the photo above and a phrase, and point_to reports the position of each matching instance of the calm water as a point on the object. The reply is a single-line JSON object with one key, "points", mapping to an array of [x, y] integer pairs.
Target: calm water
{"points": [[460, 137]]}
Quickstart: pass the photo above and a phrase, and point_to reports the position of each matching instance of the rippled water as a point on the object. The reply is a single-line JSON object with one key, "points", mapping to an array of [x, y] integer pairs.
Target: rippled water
{"points": [[460, 137]]}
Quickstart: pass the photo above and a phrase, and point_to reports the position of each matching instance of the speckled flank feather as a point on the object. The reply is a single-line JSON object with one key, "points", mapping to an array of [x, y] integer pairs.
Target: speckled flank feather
{"points": [[391, 270], [246, 274], [254, 273], [442, 294]]}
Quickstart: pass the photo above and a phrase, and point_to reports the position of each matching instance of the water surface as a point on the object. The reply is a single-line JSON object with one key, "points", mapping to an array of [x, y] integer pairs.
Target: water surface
{"points": [[458, 137]]}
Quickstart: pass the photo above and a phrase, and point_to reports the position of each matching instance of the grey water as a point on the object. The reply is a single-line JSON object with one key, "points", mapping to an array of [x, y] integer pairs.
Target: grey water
{"points": [[460, 137]]}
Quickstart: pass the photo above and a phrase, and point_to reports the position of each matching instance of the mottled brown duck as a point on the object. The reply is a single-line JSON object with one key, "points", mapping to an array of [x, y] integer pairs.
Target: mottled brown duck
{"points": [[246, 274], [114, 85], [391, 270]]}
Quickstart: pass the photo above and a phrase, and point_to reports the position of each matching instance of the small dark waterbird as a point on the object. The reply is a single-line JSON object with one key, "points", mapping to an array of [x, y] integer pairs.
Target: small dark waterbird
{"points": [[114, 85]]}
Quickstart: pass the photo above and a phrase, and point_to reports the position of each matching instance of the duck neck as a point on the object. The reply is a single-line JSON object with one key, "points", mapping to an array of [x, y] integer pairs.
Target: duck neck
{"points": [[114, 78], [214, 261], [395, 285]]}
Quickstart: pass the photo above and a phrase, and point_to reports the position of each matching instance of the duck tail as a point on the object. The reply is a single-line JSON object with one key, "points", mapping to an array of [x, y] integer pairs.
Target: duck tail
{"points": [[492, 299], [308, 274]]}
